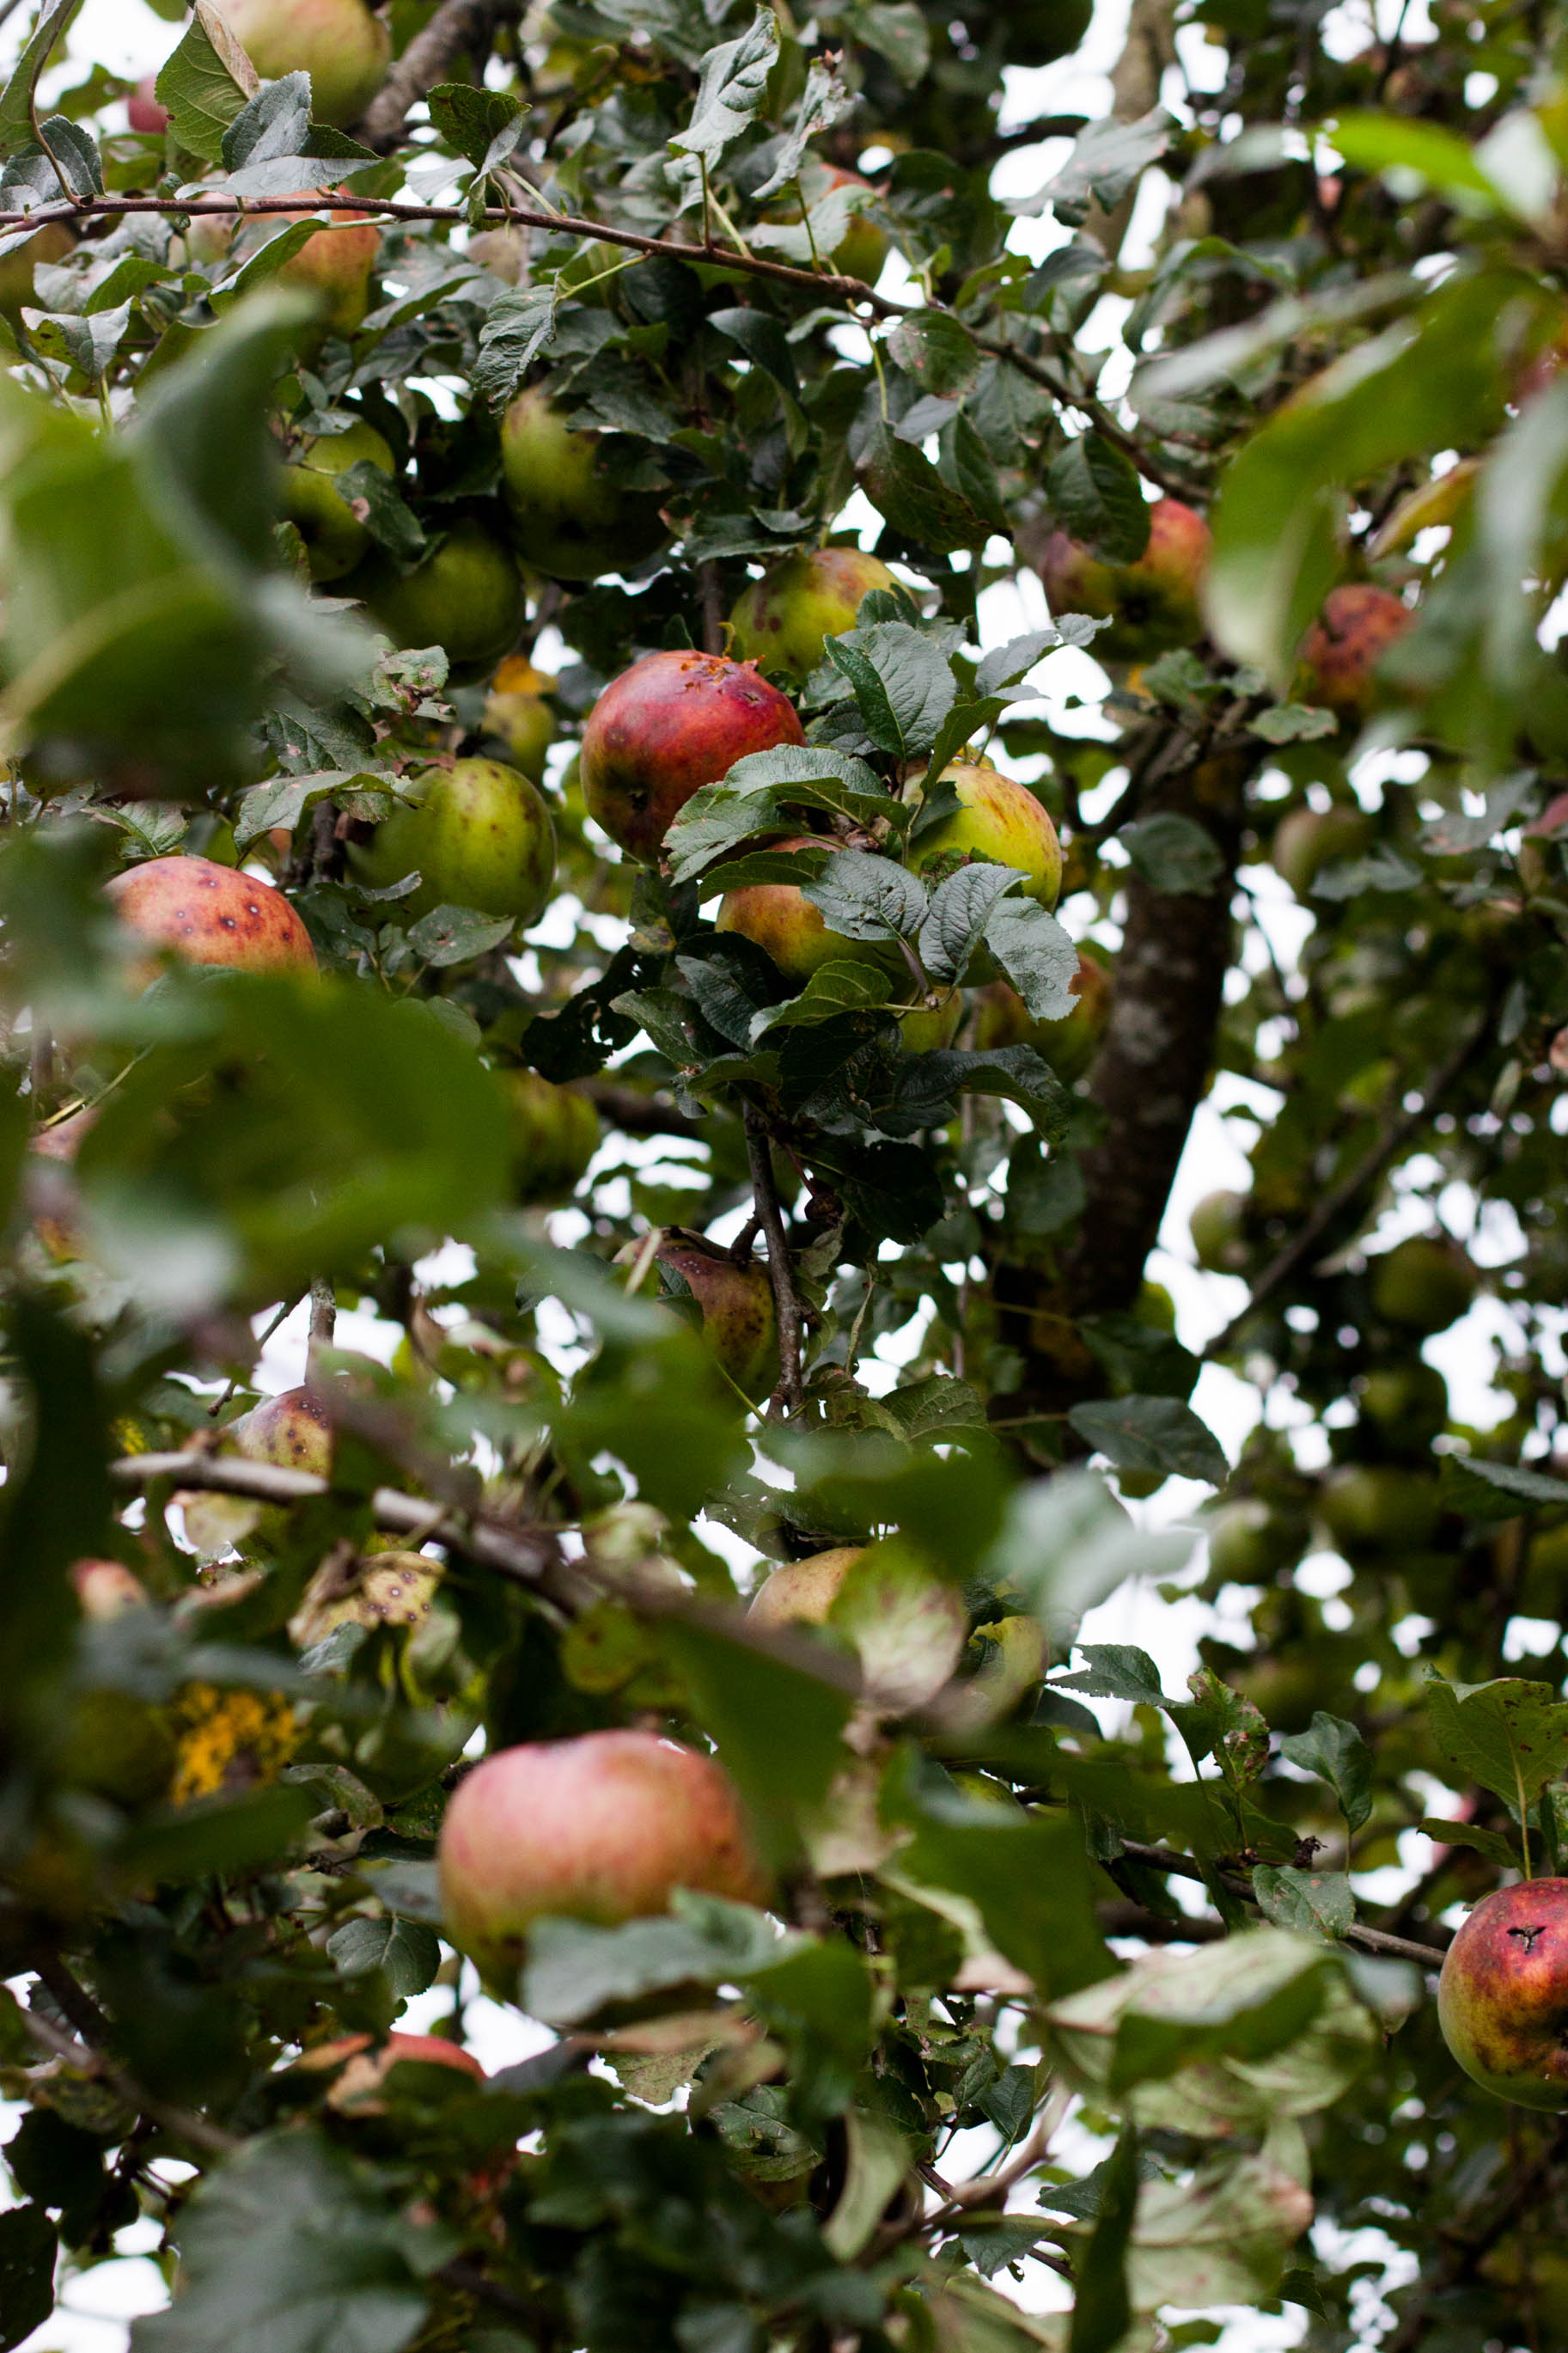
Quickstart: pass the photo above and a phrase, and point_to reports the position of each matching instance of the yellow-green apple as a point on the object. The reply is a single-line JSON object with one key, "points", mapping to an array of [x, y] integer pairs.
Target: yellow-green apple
{"points": [[382, 1588], [1502, 1998], [1151, 603], [568, 517], [51, 244], [604, 1827], [204, 913], [1218, 1229], [335, 538], [555, 1134], [673, 722], [780, 918], [480, 835], [517, 710], [933, 1023], [1424, 1284], [1011, 1659], [736, 1305], [997, 823], [142, 110], [1309, 840], [336, 266], [1407, 1404], [344, 49], [1380, 1507], [1070, 1043], [782, 621], [802, 1592], [466, 598], [1337, 667]]}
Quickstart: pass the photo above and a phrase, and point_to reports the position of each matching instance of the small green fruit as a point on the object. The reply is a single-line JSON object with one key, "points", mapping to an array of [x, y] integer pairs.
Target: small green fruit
{"points": [[1250, 1542], [1406, 1404], [466, 598], [568, 518], [1217, 1227], [479, 835], [517, 712], [1423, 1284], [1378, 1507], [335, 539], [555, 1134], [780, 918]]}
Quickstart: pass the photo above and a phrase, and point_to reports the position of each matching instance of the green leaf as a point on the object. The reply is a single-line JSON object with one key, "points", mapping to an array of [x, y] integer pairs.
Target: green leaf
{"points": [[1510, 1735], [904, 686], [17, 98], [1174, 854], [778, 1731], [955, 921], [1496, 1491], [836, 988], [291, 2247], [1504, 1852], [903, 485], [1385, 142], [29, 2246], [205, 84], [573, 1970], [897, 30], [1313, 1902], [471, 120], [1152, 1433], [76, 152], [1096, 494], [1102, 2307], [1293, 723], [763, 339], [449, 936], [405, 1952], [517, 327], [87, 344], [936, 349], [878, 2162], [1035, 954], [275, 122], [1336, 1752], [370, 496], [866, 898], [1116, 1671], [731, 89], [1067, 1543], [1106, 160]]}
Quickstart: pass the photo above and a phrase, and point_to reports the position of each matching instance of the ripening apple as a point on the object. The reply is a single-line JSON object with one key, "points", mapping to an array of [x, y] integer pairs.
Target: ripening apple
{"points": [[466, 598], [781, 920], [997, 823], [142, 110], [673, 722], [1218, 1229], [106, 1588], [205, 913], [517, 710], [344, 49], [604, 1827], [782, 621], [1424, 1284], [357, 2090], [555, 1134], [336, 266], [292, 1429], [1502, 1998], [802, 1592], [568, 517], [736, 1305], [1070, 1043], [335, 538], [1309, 840], [1152, 604], [384, 1589], [480, 835], [1337, 667]]}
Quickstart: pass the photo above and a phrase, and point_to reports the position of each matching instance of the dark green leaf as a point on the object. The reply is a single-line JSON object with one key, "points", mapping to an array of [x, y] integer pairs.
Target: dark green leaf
{"points": [[1103, 2309], [1174, 854], [1312, 1902], [1035, 954], [1152, 1433], [866, 898], [1097, 496], [29, 2246], [1336, 1752], [778, 1730], [17, 98], [471, 120]]}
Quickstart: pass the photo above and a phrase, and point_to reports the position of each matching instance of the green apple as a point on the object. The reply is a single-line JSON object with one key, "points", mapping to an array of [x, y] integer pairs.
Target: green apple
{"points": [[1406, 1404], [1423, 1284], [1250, 1542], [782, 621], [802, 1592], [1379, 1507], [51, 244], [1218, 1229], [555, 1134], [344, 49], [479, 834], [568, 519], [518, 713], [781, 920], [466, 598], [997, 822], [335, 539]]}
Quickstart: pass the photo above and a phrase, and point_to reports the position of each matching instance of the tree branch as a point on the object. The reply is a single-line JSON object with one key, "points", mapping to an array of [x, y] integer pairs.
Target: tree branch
{"points": [[91, 2061], [1427, 1955], [635, 1113], [781, 1274], [458, 28]]}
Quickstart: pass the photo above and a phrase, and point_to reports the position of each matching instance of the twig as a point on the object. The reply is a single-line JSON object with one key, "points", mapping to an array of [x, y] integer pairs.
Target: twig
{"points": [[323, 1324], [458, 28], [193, 2130], [1369, 1940], [781, 1274], [635, 1113], [467, 2279], [1395, 1132]]}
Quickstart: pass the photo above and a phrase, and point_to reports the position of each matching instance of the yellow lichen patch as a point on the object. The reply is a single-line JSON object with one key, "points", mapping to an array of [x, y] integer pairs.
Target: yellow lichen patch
{"points": [[228, 1740]]}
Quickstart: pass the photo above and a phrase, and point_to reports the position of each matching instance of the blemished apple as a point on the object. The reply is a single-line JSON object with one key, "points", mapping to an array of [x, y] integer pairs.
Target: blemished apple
{"points": [[479, 835], [517, 712], [467, 598], [1502, 1998], [802, 1592], [736, 1305], [384, 1589], [344, 49], [781, 920], [335, 539], [1423, 1284], [555, 1134], [604, 1827], [997, 822], [1337, 667], [1068, 1044], [292, 1429], [671, 724], [142, 110], [1152, 604], [783, 621], [568, 517], [205, 913], [1308, 839]]}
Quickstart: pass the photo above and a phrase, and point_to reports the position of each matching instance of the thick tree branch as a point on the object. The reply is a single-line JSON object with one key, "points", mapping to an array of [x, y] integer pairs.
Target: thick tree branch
{"points": [[459, 28], [781, 1274]]}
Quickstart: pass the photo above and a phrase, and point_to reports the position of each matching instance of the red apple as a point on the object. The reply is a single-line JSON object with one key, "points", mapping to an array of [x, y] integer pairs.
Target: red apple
{"points": [[1337, 667], [673, 722], [142, 111], [999, 823], [604, 1827], [344, 49], [1152, 604], [211, 914], [779, 918], [568, 518], [736, 1302], [358, 2086], [1502, 1998], [782, 621]]}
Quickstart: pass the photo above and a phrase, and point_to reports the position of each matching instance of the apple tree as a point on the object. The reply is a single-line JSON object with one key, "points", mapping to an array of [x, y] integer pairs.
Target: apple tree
{"points": [[687, 700]]}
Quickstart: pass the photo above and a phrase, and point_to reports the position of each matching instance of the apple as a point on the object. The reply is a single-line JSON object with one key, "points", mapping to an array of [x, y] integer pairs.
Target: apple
{"points": [[380, 1588], [517, 712], [211, 914], [780, 918], [863, 248], [1250, 1542], [466, 598], [673, 722], [292, 1429], [802, 1592], [1152, 604], [106, 1588], [1309, 840], [1068, 1044], [604, 1827], [736, 1302], [479, 835], [1502, 1998], [344, 49], [336, 266], [932, 1024], [1379, 1507], [1043, 30], [782, 621], [1217, 1227], [1406, 1404], [1012, 1656], [142, 111], [356, 2092], [568, 518], [51, 244], [555, 1134], [335, 539], [1337, 665], [997, 822], [1423, 1284]]}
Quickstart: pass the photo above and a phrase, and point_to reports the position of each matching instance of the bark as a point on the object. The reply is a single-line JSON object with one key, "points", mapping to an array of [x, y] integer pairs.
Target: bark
{"points": [[459, 28]]}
